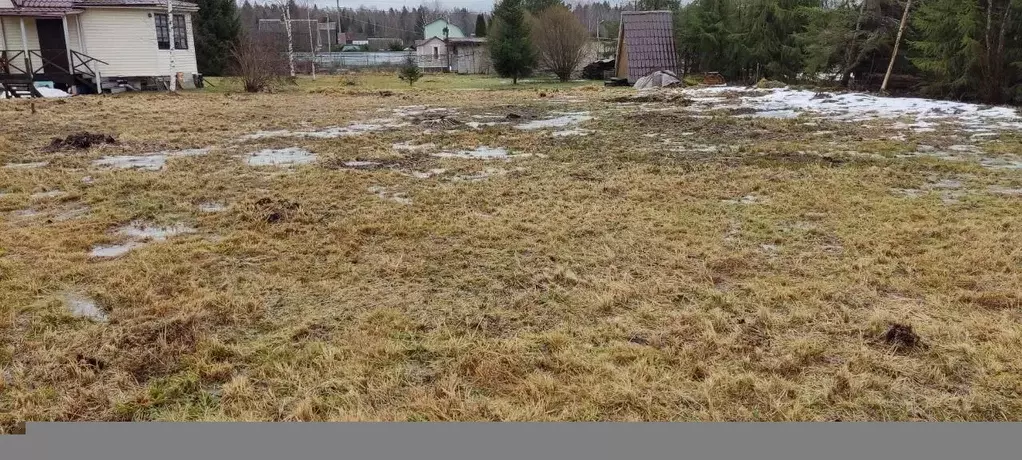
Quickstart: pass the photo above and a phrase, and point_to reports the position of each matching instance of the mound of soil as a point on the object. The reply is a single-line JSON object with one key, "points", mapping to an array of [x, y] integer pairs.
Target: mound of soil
{"points": [[79, 141], [901, 337]]}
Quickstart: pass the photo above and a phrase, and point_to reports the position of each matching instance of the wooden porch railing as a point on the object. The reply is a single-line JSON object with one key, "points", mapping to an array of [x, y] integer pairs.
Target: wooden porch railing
{"points": [[34, 62]]}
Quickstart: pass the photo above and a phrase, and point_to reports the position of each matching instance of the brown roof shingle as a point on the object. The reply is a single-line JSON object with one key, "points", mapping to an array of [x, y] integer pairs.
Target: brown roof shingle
{"points": [[649, 42]]}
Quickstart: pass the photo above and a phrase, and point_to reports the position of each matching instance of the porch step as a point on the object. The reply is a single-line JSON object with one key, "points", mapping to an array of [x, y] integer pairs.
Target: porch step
{"points": [[18, 88]]}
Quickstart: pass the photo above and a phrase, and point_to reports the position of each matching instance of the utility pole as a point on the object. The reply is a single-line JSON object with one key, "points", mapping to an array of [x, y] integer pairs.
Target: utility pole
{"points": [[170, 31], [338, 31]]}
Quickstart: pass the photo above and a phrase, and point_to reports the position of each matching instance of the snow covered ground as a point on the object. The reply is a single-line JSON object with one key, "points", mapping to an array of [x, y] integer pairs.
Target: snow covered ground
{"points": [[854, 107]]}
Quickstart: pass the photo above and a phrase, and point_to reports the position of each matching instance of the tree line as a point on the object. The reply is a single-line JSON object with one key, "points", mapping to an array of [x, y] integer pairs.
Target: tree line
{"points": [[958, 49]]}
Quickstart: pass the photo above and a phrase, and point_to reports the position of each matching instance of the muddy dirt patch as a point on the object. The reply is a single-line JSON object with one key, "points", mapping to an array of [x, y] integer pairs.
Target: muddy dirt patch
{"points": [[79, 141]]}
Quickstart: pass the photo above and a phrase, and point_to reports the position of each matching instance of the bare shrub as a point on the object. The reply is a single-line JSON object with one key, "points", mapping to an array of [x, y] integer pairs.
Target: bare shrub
{"points": [[260, 62], [560, 39]]}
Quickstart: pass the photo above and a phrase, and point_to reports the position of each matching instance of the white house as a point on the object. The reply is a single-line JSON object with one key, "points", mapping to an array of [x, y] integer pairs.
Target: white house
{"points": [[445, 47], [86, 43], [436, 29]]}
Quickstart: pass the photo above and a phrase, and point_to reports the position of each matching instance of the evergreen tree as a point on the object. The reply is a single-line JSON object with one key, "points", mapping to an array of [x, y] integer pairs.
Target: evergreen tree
{"points": [[216, 30], [840, 40], [480, 25], [535, 6], [420, 23], [410, 71], [970, 48], [510, 45]]}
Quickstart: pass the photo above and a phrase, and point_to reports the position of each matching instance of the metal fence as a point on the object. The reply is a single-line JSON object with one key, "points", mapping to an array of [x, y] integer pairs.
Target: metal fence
{"points": [[357, 59]]}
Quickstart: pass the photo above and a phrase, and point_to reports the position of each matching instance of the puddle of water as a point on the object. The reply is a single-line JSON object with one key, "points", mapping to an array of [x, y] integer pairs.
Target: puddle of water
{"points": [[565, 119], [49, 194], [138, 234], [386, 194], [482, 152], [84, 307], [212, 207], [140, 231], [39, 164], [148, 162], [281, 157]]}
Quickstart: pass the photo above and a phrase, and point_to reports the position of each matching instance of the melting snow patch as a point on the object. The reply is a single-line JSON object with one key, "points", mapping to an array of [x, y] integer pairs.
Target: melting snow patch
{"points": [[359, 164], [353, 129], [281, 157], [212, 207], [565, 119], [571, 132], [385, 194], [482, 175], [1001, 163], [786, 103], [49, 194], [148, 162], [84, 307], [409, 147], [747, 199], [1005, 190], [38, 164], [424, 174], [113, 250], [482, 152]]}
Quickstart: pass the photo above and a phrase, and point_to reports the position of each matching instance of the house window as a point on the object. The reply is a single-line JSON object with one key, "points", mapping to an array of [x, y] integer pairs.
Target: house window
{"points": [[436, 52], [163, 32]]}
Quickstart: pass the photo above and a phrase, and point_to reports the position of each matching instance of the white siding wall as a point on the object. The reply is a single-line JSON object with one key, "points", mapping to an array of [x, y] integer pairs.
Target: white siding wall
{"points": [[12, 33], [126, 39], [72, 32], [6, 4]]}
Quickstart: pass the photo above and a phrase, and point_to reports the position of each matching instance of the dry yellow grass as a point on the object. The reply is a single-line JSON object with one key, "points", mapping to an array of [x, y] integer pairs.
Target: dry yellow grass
{"points": [[633, 274]]}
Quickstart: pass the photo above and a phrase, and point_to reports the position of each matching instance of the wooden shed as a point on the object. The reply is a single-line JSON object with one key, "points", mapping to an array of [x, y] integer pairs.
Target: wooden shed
{"points": [[645, 44]]}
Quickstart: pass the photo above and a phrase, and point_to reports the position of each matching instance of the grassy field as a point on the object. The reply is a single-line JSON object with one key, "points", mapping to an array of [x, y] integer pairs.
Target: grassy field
{"points": [[662, 264]]}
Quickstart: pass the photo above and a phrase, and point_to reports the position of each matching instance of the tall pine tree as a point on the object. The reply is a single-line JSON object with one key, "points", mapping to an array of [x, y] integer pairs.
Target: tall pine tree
{"points": [[970, 48], [420, 23], [480, 25], [217, 27], [510, 45]]}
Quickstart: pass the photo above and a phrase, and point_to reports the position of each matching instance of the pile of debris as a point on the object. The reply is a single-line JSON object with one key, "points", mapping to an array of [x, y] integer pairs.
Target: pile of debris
{"points": [[659, 79]]}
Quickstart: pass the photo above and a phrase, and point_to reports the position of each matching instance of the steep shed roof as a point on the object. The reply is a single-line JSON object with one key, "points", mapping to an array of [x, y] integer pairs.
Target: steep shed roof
{"points": [[648, 41]]}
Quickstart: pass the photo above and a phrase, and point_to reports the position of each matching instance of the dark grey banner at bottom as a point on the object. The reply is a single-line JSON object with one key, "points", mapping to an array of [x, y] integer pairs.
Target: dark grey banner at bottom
{"points": [[560, 441]]}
